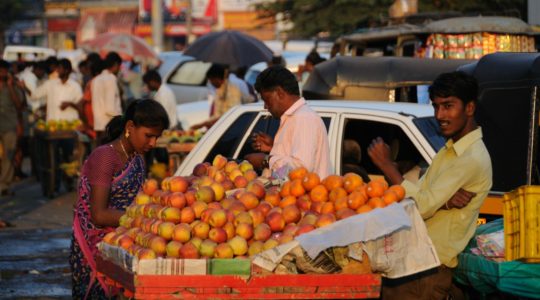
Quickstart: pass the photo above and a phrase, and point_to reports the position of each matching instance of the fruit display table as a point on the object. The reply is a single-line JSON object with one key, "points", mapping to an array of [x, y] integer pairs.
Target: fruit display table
{"points": [[177, 152], [256, 286], [44, 154]]}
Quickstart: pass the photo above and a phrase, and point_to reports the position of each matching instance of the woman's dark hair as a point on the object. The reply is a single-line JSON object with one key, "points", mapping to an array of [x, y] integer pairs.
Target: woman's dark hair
{"points": [[145, 112], [455, 84], [277, 76]]}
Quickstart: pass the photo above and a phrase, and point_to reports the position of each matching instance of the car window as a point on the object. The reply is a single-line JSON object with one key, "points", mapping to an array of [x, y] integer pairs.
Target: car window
{"points": [[270, 126], [190, 73], [429, 128], [228, 142], [358, 135]]}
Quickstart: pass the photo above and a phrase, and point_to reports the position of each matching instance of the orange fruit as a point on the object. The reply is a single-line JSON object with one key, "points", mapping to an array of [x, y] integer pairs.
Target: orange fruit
{"points": [[272, 196], [341, 203], [337, 193], [355, 200], [375, 188], [351, 181], [390, 197], [327, 207], [286, 201], [364, 209], [297, 189], [333, 181], [319, 194], [376, 202], [310, 181], [363, 190], [285, 189], [298, 173], [382, 181], [317, 206], [399, 190]]}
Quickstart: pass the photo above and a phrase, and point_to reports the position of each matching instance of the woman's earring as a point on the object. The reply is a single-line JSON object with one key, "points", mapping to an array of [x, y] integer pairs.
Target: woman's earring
{"points": [[126, 134]]}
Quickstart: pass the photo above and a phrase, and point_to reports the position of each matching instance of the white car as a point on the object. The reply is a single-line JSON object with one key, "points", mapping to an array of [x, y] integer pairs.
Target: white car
{"points": [[28, 52], [410, 129]]}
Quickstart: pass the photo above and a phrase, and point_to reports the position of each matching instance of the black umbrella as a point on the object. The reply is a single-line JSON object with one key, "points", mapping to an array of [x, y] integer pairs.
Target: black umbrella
{"points": [[229, 47]]}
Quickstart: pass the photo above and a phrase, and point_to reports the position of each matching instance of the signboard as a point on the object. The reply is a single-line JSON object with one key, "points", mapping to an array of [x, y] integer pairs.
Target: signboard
{"points": [[177, 9], [239, 5]]}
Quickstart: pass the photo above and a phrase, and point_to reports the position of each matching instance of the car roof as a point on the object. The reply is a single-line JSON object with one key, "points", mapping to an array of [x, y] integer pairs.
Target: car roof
{"points": [[413, 109]]}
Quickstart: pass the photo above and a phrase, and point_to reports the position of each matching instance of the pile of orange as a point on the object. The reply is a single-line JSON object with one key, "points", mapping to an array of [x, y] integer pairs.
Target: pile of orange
{"points": [[341, 195]]}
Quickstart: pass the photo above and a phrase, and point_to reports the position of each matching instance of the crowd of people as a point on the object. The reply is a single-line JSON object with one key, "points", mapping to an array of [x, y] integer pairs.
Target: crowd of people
{"points": [[52, 91]]}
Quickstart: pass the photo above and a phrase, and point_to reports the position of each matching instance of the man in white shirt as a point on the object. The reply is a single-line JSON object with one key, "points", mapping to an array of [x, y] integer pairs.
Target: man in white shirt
{"points": [[58, 93], [105, 94], [162, 94], [61, 94]]}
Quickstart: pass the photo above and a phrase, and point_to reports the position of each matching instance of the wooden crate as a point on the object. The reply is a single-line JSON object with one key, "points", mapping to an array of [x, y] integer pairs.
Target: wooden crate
{"points": [[304, 286]]}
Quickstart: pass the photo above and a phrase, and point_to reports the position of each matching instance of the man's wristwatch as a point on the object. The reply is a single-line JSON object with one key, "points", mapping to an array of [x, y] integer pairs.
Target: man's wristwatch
{"points": [[266, 161]]}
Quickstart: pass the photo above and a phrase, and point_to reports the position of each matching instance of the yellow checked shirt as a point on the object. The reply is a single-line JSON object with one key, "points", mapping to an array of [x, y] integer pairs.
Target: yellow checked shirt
{"points": [[465, 164]]}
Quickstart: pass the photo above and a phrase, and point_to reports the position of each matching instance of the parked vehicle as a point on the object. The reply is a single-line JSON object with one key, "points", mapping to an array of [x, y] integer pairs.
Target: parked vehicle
{"points": [[391, 79], [409, 128], [36, 53], [187, 79]]}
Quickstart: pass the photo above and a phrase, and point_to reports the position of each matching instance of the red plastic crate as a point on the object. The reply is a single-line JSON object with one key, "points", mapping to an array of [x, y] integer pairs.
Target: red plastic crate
{"points": [[304, 286]]}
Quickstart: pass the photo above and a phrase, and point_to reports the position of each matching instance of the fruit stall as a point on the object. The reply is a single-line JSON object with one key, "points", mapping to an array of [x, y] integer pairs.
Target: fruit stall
{"points": [[47, 136], [225, 232]]}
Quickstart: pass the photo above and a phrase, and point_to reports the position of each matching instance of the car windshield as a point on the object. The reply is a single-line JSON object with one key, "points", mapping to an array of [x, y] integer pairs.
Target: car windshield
{"points": [[429, 128]]}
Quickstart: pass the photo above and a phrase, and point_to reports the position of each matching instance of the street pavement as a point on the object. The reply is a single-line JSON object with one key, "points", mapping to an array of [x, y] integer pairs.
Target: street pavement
{"points": [[34, 251]]}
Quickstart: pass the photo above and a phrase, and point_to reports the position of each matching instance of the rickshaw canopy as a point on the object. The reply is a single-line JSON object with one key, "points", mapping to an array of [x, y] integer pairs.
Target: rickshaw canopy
{"points": [[507, 111], [364, 78]]}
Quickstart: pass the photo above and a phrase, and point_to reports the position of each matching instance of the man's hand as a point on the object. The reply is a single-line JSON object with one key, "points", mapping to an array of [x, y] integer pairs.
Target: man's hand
{"points": [[460, 199], [262, 142], [256, 159], [379, 152]]}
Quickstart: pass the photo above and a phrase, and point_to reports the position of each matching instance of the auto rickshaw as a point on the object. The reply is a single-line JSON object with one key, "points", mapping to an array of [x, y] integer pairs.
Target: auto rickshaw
{"points": [[389, 78], [508, 106]]}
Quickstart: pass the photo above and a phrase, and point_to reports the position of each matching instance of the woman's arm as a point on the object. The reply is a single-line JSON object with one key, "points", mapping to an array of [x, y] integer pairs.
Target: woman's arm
{"points": [[100, 212]]}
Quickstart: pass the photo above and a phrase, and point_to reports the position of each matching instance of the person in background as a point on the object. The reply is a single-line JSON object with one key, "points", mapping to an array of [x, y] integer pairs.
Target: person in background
{"points": [[237, 78], [162, 94], [23, 129], [11, 102], [450, 193], [312, 59], [61, 95], [106, 102], [52, 65], [227, 95], [301, 139], [133, 81], [86, 73], [110, 179]]}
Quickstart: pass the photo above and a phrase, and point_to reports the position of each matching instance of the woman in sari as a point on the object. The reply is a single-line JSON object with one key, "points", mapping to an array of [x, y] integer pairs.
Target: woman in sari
{"points": [[111, 177]]}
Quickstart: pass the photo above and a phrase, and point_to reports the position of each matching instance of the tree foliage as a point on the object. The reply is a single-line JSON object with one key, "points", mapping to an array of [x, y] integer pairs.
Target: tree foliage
{"points": [[337, 17]]}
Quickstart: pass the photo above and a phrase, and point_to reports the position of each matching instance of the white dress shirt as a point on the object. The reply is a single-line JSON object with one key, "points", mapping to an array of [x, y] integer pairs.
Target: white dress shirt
{"points": [[56, 92], [165, 97], [105, 99]]}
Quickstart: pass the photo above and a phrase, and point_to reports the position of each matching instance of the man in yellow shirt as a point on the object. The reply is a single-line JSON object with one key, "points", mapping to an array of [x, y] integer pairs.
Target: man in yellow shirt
{"points": [[450, 193]]}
